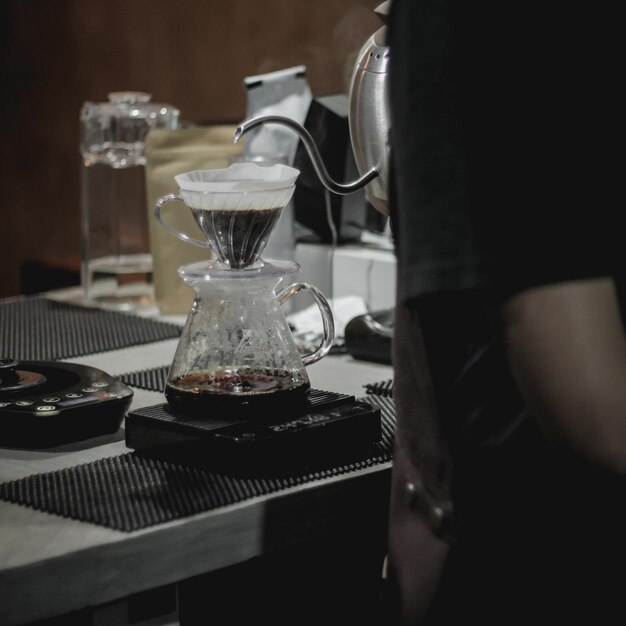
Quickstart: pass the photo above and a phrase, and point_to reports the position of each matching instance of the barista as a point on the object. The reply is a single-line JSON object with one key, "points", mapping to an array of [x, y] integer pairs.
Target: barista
{"points": [[510, 352]]}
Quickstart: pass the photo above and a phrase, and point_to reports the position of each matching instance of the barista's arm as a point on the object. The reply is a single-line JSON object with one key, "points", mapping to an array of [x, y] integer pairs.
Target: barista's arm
{"points": [[567, 351]]}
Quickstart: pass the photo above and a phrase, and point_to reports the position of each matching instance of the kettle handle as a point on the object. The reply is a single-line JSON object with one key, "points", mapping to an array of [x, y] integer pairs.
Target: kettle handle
{"points": [[182, 236], [327, 318], [309, 144]]}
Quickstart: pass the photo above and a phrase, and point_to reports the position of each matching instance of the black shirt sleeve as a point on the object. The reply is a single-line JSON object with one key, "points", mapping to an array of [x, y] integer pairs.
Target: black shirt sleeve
{"points": [[500, 145]]}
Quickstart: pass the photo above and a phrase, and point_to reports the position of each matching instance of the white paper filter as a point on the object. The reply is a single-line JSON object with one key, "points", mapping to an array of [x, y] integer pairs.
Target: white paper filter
{"points": [[242, 186]]}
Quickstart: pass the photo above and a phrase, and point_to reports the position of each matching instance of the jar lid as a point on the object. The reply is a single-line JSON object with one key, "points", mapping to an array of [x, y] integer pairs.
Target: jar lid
{"points": [[130, 104], [120, 126]]}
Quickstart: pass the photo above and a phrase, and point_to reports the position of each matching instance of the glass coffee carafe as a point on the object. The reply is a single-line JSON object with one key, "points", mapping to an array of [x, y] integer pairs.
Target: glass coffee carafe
{"points": [[236, 351]]}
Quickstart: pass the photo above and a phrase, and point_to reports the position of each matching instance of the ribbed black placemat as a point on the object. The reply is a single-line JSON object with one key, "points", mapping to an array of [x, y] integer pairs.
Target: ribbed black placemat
{"points": [[152, 379], [37, 328], [137, 490]]}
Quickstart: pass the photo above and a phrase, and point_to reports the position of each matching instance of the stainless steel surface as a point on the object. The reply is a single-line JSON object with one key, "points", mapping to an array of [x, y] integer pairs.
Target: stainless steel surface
{"points": [[369, 113]]}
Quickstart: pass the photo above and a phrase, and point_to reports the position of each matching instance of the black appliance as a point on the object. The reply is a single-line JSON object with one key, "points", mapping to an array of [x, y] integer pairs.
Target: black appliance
{"points": [[48, 403], [369, 337], [324, 423], [327, 122]]}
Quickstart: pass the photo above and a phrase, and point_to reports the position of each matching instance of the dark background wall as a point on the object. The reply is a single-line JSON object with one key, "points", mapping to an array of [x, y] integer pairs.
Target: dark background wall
{"points": [[56, 54]]}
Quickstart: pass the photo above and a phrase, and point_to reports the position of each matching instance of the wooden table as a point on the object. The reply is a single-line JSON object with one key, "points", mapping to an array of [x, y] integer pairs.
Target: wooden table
{"points": [[51, 566]]}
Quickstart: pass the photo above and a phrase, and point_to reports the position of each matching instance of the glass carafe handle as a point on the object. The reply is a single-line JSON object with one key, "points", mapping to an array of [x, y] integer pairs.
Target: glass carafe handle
{"points": [[327, 318], [182, 236]]}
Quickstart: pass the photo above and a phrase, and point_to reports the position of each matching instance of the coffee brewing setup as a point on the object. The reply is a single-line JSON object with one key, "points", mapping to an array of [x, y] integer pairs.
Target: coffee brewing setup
{"points": [[238, 381], [236, 343]]}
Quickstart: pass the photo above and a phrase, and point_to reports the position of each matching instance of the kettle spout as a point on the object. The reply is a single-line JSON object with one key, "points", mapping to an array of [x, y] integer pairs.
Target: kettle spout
{"points": [[311, 148]]}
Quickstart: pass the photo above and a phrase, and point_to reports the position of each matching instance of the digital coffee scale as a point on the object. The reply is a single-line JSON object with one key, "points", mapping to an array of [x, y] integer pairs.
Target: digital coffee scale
{"points": [[323, 424]]}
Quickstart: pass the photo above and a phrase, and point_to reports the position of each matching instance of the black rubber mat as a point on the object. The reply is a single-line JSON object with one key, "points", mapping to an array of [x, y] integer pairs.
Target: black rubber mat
{"points": [[151, 380], [140, 489], [36, 328]]}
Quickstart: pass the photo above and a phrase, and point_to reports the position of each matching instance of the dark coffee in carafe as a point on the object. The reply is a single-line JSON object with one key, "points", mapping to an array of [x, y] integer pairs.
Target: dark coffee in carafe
{"points": [[246, 389], [237, 236]]}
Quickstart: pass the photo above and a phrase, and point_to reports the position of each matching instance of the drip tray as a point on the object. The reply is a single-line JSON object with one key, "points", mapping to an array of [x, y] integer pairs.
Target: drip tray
{"points": [[325, 424]]}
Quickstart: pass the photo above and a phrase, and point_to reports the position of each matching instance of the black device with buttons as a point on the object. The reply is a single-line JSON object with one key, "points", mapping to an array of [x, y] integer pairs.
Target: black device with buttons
{"points": [[326, 424], [49, 403]]}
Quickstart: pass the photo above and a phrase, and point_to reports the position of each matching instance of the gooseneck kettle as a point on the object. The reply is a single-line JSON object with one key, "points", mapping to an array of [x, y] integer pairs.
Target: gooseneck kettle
{"points": [[369, 122]]}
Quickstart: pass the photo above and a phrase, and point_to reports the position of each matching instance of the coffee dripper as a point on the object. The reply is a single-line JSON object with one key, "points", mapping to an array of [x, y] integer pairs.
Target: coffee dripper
{"points": [[236, 350]]}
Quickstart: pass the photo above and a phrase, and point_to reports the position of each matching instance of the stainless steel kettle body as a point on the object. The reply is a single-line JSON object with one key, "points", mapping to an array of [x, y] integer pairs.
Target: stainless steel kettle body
{"points": [[369, 123], [369, 118]]}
